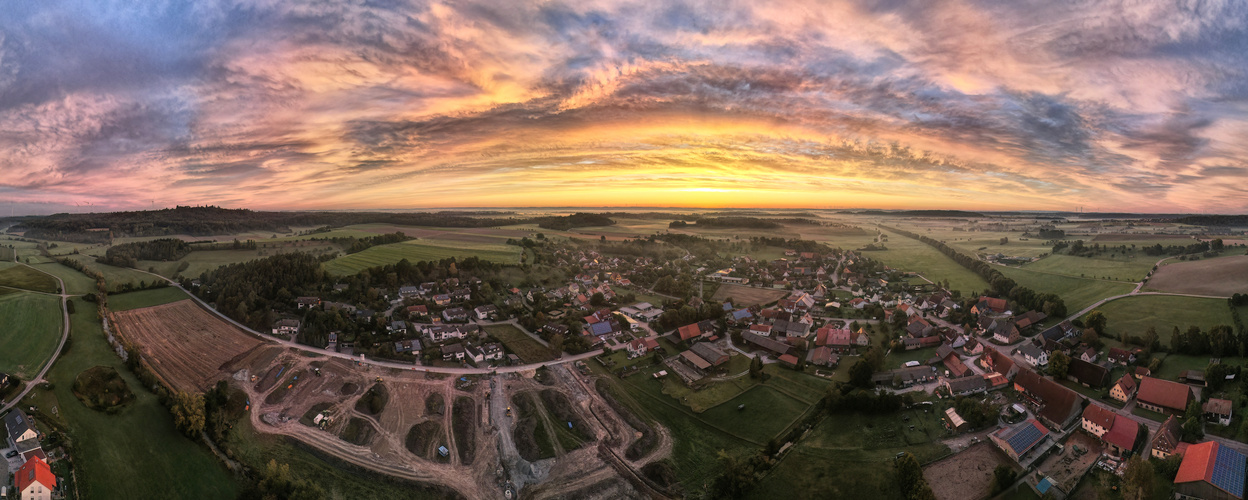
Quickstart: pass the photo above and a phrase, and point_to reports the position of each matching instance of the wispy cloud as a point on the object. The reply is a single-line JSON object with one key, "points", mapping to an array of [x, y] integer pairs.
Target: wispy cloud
{"points": [[945, 103]]}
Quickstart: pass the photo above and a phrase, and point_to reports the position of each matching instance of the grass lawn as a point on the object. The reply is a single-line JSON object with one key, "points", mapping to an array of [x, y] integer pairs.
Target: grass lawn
{"points": [[1121, 269], [898, 358], [138, 441], [422, 249], [1136, 314], [696, 442], [767, 413], [1077, 293], [1149, 414], [1174, 364], [29, 333], [145, 298], [913, 255], [516, 341], [29, 279], [850, 456], [76, 283], [709, 396]]}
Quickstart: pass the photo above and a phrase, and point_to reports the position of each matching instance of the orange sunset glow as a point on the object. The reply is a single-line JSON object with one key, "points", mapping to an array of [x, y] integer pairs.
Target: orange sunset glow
{"points": [[945, 104]]}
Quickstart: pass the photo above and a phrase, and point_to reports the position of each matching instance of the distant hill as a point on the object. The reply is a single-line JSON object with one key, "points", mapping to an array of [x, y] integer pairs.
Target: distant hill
{"points": [[918, 213]]}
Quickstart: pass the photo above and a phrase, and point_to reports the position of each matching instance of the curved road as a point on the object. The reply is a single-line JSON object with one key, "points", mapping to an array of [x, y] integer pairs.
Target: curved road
{"points": [[64, 337], [386, 364]]}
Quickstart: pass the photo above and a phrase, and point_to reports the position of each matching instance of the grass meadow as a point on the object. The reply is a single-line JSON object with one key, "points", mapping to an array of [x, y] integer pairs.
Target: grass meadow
{"points": [[145, 298], [27, 278], [422, 249], [1078, 293], [1134, 315], [29, 333]]}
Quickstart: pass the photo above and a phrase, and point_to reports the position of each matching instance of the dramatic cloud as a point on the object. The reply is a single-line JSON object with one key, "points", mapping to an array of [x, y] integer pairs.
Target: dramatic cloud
{"points": [[393, 104]]}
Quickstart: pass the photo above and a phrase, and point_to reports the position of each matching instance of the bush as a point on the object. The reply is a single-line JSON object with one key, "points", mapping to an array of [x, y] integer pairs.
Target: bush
{"points": [[101, 388]]}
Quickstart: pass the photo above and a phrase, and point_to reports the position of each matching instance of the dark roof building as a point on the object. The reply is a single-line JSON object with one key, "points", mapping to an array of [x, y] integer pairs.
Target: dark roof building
{"points": [[1211, 471], [1060, 406], [1089, 374]]}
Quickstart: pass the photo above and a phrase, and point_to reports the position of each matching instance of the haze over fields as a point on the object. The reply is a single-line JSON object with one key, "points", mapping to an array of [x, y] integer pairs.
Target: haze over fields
{"points": [[949, 104]]}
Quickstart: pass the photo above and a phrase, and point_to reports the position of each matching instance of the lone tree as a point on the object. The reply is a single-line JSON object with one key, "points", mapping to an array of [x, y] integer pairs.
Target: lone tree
{"points": [[1137, 481], [909, 477], [1096, 320], [188, 413], [1059, 365], [860, 374], [1003, 477]]}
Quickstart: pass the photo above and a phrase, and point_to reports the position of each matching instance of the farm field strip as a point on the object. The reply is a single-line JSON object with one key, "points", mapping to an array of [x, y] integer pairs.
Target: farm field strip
{"points": [[26, 278], [29, 333], [1077, 293], [184, 343], [747, 295], [1134, 315], [418, 250], [516, 341], [1222, 276]]}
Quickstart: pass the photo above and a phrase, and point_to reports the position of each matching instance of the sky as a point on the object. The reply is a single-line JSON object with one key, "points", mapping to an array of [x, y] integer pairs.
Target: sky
{"points": [[347, 104]]}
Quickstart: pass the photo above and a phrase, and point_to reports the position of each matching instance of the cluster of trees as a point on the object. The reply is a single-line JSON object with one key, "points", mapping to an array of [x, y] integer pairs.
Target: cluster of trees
{"points": [[579, 219], [1219, 341], [686, 314], [1200, 247], [189, 415], [738, 222], [356, 245], [1077, 248], [1050, 233], [871, 362], [795, 244], [1051, 304], [128, 254], [250, 292], [910, 478], [845, 398], [977, 413]]}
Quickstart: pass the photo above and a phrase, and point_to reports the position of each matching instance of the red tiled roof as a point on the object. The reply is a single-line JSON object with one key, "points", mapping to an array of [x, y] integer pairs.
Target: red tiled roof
{"points": [[1099, 415], [652, 344], [1123, 432], [1164, 393], [34, 471], [789, 358], [956, 367], [1128, 383], [1198, 463], [689, 331]]}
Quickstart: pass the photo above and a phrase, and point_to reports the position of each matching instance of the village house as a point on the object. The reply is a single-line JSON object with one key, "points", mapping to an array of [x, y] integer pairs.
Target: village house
{"points": [[397, 326], [1117, 432], [836, 339], [989, 305], [417, 311], [1097, 420], [1021, 439], [34, 480], [1120, 356], [766, 343], [484, 312], [1210, 471], [455, 315], [1034, 355], [1218, 411], [639, 347], [696, 330], [1163, 395], [407, 346], [286, 327], [409, 291], [996, 361], [963, 386], [1124, 389], [1167, 441], [823, 356], [1088, 355], [442, 299], [1087, 374], [21, 433], [308, 302], [453, 352]]}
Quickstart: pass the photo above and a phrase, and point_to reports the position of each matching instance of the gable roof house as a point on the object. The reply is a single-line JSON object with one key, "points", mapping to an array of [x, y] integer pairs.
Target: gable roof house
{"points": [[1121, 437], [1034, 355], [694, 330], [998, 362], [1060, 331], [1218, 411], [823, 356], [1120, 356], [1211, 471], [1124, 389], [455, 314], [710, 353], [779, 348], [1163, 395], [34, 480], [962, 386], [1060, 406], [1097, 420], [484, 312], [989, 305], [1167, 441], [19, 428]]}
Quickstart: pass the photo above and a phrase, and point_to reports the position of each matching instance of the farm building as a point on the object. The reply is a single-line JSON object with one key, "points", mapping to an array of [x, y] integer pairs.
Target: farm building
{"points": [[779, 348], [710, 353], [1163, 395], [822, 356], [1021, 439], [789, 360], [965, 385], [1218, 411], [1211, 472], [1087, 374], [906, 376], [1059, 405]]}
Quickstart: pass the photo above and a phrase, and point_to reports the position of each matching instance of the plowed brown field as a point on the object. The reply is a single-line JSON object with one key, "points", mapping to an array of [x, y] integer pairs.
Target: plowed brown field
{"points": [[185, 344]]}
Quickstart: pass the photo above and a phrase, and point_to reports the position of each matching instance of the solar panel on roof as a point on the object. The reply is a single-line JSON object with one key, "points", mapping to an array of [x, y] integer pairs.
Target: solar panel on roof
{"points": [[1228, 471], [1024, 438]]}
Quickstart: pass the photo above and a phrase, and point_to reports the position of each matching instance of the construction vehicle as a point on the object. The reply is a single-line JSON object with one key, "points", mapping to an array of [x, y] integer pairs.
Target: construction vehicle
{"points": [[379, 379]]}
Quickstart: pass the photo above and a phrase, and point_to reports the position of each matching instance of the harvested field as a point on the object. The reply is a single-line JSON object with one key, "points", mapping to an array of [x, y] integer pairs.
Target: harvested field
{"points": [[747, 295], [1139, 237], [1222, 276], [464, 424], [425, 438], [967, 474], [185, 344]]}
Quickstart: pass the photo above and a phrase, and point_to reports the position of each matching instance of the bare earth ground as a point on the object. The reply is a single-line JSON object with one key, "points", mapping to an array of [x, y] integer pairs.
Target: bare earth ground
{"points": [[185, 344], [747, 295], [1220, 276], [967, 474]]}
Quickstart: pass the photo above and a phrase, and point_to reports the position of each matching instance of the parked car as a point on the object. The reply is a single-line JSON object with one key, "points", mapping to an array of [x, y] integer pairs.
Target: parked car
{"points": [[11, 454]]}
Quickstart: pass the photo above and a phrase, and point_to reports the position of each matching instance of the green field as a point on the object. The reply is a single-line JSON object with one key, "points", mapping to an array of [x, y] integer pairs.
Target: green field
{"points": [[27, 278], [145, 298], [1136, 314], [115, 276], [1077, 293], [76, 283], [899, 357], [422, 249], [29, 333], [767, 413], [850, 456], [138, 441], [1119, 269], [519, 343], [910, 254]]}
